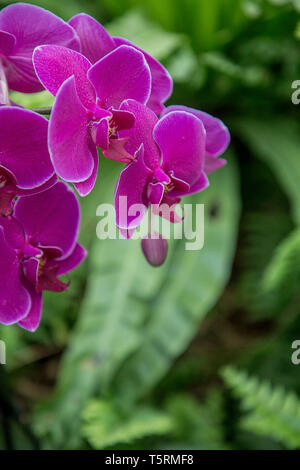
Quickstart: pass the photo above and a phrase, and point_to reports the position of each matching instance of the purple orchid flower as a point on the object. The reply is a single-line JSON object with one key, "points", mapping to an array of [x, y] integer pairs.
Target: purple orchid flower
{"points": [[169, 164], [96, 43], [22, 28], [217, 137], [37, 246], [86, 113], [25, 165]]}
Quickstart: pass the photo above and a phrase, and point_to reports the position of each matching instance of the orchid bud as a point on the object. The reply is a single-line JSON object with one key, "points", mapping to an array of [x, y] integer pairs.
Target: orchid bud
{"points": [[155, 249]]}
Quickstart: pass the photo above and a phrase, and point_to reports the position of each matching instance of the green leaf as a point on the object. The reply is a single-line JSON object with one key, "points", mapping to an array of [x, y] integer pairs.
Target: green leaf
{"points": [[250, 76], [32, 100], [194, 282], [197, 425], [270, 411], [106, 426], [136, 320], [277, 142], [283, 272], [147, 35], [208, 24]]}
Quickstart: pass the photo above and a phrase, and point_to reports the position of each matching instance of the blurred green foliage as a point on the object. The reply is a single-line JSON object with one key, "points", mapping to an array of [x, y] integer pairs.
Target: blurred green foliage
{"points": [[133, 357]]}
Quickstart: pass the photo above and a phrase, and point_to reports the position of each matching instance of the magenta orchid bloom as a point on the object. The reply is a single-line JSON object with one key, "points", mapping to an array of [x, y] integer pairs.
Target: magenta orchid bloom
{"points": [[86, 113], [169, 163], [37, 246], [96, 43], [25, 165], [22, 28], [217, 137]]}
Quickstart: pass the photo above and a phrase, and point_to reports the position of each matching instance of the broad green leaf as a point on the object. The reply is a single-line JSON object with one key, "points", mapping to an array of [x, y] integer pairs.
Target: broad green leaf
{"points": [[277, 142], [193, 285], [135, 320]]}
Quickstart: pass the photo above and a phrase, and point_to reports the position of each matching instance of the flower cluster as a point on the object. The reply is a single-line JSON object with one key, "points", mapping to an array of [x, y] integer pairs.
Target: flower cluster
{"points": [[109, 95]]}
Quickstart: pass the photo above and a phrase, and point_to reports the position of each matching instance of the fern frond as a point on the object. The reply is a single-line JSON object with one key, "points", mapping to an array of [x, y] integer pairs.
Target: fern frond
{"points": [[283, 273], [269, 411], [104, 425]]}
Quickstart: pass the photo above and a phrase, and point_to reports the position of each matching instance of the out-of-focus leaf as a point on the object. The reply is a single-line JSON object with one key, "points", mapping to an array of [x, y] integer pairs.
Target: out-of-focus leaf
{"points": [[105, 426], [147, 35], [194, 283], [251, 75], [207, 23], [283, 272], [197, 425], [66, 9], [32, 100], [277, 142], [184, 67]]}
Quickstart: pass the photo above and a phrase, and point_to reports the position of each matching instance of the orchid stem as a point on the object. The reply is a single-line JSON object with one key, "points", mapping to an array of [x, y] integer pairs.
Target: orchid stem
{"points": [[43, 111]]}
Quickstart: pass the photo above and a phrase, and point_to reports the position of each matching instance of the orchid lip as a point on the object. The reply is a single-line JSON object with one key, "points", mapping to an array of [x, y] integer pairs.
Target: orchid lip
{"points": [[47, 267]]}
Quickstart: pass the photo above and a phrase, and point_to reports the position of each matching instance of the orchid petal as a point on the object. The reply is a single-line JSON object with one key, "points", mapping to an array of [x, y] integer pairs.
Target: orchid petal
{"points": [[201, 184], [32, 320], [126, 234], [31, 270], [15, 301], [116, 151], [217, 134], [121, 74], [51, 218], [95, 42], [142, 132], [31, 26], [76, 257], [68, 136], [30, 192], [7, 43], [122, 119], [13, 232], [85, 187], [212, 164], [4, 91], [55, 64], [26, 155], [132, 185], [181, 138], [100, 133], [7, 196], [178, 187], [8, 191], [162, 83], [156, 192], [167, 209]]}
